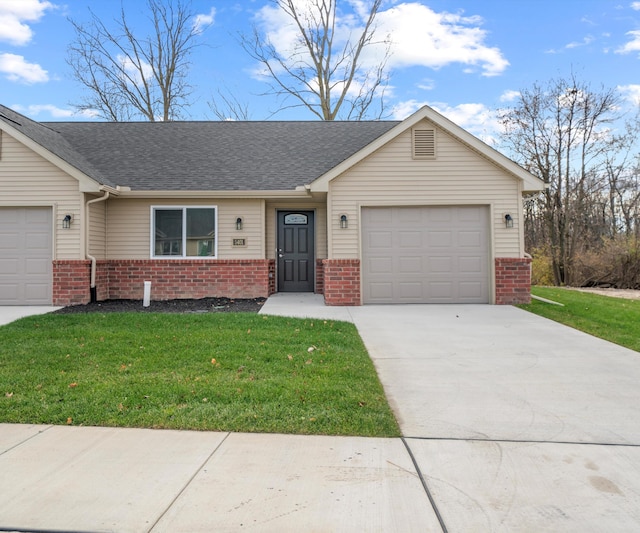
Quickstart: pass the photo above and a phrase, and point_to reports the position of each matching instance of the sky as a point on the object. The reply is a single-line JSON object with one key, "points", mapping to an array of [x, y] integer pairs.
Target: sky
{"points": [[464, 58]]}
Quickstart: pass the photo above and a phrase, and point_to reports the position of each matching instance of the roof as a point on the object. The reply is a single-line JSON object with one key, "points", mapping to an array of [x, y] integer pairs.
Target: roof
{"points": [[226, 156], [222, 156]]}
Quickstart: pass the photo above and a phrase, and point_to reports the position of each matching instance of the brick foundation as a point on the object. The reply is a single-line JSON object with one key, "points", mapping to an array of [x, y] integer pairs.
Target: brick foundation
{"points": [[513, 280], [124, 279], [71, 282], [186, 278], [341, 279]]}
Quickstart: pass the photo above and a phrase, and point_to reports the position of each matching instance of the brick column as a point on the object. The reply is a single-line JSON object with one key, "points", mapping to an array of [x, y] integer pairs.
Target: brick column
{"points": [[71, 281], [341, 281], [513, 280]]}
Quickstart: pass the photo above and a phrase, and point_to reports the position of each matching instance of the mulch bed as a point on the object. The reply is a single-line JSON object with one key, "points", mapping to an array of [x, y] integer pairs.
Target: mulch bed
{"points": [[203, 305]]}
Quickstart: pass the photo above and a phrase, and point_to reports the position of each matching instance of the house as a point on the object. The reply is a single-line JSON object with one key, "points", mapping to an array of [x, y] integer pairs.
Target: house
{"points": [[417, 211]]}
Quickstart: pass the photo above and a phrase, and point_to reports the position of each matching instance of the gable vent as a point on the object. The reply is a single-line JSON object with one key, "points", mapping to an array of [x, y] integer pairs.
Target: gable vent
{"points": [[424, 144]]}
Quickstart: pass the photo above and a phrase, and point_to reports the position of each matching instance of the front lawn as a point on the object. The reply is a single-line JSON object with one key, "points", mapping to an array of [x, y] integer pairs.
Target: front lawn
{"points": [[613, 319], [222, 372]]}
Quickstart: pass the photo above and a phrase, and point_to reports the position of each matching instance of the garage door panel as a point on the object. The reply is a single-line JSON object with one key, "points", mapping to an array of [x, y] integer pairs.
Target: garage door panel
{"points": [[383, 290], [410, 265], [380, 239], [471, 265], [26, 256], [440, 264], [9, 266], [443, 257], [439, 238], [380, 265], [469, 239], [37, 291], [37, 266]]}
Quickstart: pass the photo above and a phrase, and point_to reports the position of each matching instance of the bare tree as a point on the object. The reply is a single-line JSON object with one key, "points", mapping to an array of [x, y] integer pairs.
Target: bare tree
{"points": [[227, 106], [129, 76], [323, 71], [563, 134]]}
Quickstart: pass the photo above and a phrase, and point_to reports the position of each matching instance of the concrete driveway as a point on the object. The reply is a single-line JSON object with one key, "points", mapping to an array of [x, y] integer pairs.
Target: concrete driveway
{"points": [[517, 423], [9, 313]]}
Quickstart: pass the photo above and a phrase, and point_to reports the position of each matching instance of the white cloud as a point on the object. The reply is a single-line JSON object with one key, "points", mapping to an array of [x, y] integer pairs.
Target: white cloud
{"points": [[509, 96], [54, 111], [630, 93], [633, 45], [133, 72], [16, 68], [202, 20], [422, 37], [635, 5], [477, 119], [14, 14], [585, 41]]}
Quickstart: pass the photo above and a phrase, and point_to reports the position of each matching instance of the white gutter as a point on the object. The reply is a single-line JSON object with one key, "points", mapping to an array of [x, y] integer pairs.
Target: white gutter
{"points": [[92, 286]]}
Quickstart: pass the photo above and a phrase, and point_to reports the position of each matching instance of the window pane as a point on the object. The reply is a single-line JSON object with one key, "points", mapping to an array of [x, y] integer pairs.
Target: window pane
{"points": [[168, 232], [201, 231]]}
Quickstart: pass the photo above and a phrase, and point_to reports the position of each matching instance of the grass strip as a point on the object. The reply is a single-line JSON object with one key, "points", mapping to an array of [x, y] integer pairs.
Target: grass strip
{"points": [[223, 372], [614, 319]]}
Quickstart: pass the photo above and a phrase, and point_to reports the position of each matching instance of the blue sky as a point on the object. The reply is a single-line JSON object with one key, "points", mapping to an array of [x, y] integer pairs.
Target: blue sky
{"points": [[463, 57]]}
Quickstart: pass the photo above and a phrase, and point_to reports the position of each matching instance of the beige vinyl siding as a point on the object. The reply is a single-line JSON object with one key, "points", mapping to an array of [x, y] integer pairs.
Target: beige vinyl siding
{"points": [[320, 208], [458, 176], [129, 226], [97, 229], [27, 179]]}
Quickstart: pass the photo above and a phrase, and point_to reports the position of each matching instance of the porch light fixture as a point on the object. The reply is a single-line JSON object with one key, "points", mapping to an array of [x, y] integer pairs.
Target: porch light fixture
{"points": [[66, 221], [344, 222], [239, 223], [508, 221]]}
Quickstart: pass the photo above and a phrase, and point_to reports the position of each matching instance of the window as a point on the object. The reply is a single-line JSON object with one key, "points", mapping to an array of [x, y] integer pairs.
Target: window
{"points": [[179, 232]]}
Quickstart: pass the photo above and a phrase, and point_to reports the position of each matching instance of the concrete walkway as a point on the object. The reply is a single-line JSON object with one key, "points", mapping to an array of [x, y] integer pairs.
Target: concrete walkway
{"points": [[511, 423]]}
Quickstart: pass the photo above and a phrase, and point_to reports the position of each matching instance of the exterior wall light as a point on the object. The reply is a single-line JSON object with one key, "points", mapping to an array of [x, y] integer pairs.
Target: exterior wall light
{"points": [[66, 222], [508, 221], [239, 223], [344, 222]]}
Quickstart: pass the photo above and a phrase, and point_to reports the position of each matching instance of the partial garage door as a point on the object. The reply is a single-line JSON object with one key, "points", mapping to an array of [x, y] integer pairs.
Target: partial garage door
{"points": [[425, 254], [25, 256]]}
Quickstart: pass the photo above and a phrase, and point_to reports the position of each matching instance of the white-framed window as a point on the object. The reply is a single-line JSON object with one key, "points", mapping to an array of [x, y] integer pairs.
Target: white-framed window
{"points": [[184, 231]]}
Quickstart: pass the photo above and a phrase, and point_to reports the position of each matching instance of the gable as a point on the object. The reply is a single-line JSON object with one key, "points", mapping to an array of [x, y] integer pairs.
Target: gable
{"points": [[428, 122]]}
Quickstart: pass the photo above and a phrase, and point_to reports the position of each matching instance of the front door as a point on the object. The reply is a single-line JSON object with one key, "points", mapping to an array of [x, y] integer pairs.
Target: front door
{"points": [[296, 258]]}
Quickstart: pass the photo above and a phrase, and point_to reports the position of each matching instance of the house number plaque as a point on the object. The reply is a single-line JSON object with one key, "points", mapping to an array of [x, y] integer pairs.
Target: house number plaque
{"points": [[239, 242]]}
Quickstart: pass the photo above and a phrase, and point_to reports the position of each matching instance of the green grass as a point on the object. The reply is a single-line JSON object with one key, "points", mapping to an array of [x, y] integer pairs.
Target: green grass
{"points": [[614, 319], [223, 372]]}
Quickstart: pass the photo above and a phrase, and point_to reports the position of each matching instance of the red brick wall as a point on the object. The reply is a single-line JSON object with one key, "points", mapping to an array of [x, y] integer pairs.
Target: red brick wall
{"points": [[319, 277], [513, 280], [71, 282], [187, 278], [341, 281]]}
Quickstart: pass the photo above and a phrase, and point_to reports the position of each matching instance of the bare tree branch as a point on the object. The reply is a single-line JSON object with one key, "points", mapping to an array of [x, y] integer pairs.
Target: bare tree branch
{"points": [[320, 74], [128, 76]]}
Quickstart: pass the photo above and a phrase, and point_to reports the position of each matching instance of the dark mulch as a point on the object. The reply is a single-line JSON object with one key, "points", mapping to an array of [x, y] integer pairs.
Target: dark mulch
{"points": [[203, 305]]}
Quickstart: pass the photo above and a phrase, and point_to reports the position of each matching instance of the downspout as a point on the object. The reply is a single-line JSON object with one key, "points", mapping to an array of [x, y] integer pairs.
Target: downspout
{"points": [[92, 286]]}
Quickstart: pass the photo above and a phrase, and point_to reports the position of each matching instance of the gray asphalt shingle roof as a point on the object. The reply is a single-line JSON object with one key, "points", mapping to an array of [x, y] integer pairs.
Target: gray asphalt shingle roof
{"points": [[270, 155]]}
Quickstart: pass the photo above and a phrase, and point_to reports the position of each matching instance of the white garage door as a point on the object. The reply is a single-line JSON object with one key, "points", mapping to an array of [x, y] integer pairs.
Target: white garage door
{"points": [[25, 256], [425, 254]]}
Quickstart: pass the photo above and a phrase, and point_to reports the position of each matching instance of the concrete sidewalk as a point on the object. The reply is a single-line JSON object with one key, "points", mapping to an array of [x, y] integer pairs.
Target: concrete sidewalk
{"points": [[58, 478]]}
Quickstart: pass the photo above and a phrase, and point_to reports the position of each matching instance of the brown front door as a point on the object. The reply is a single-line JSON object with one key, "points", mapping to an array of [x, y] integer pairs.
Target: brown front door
{"points": [[296, 256]]}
